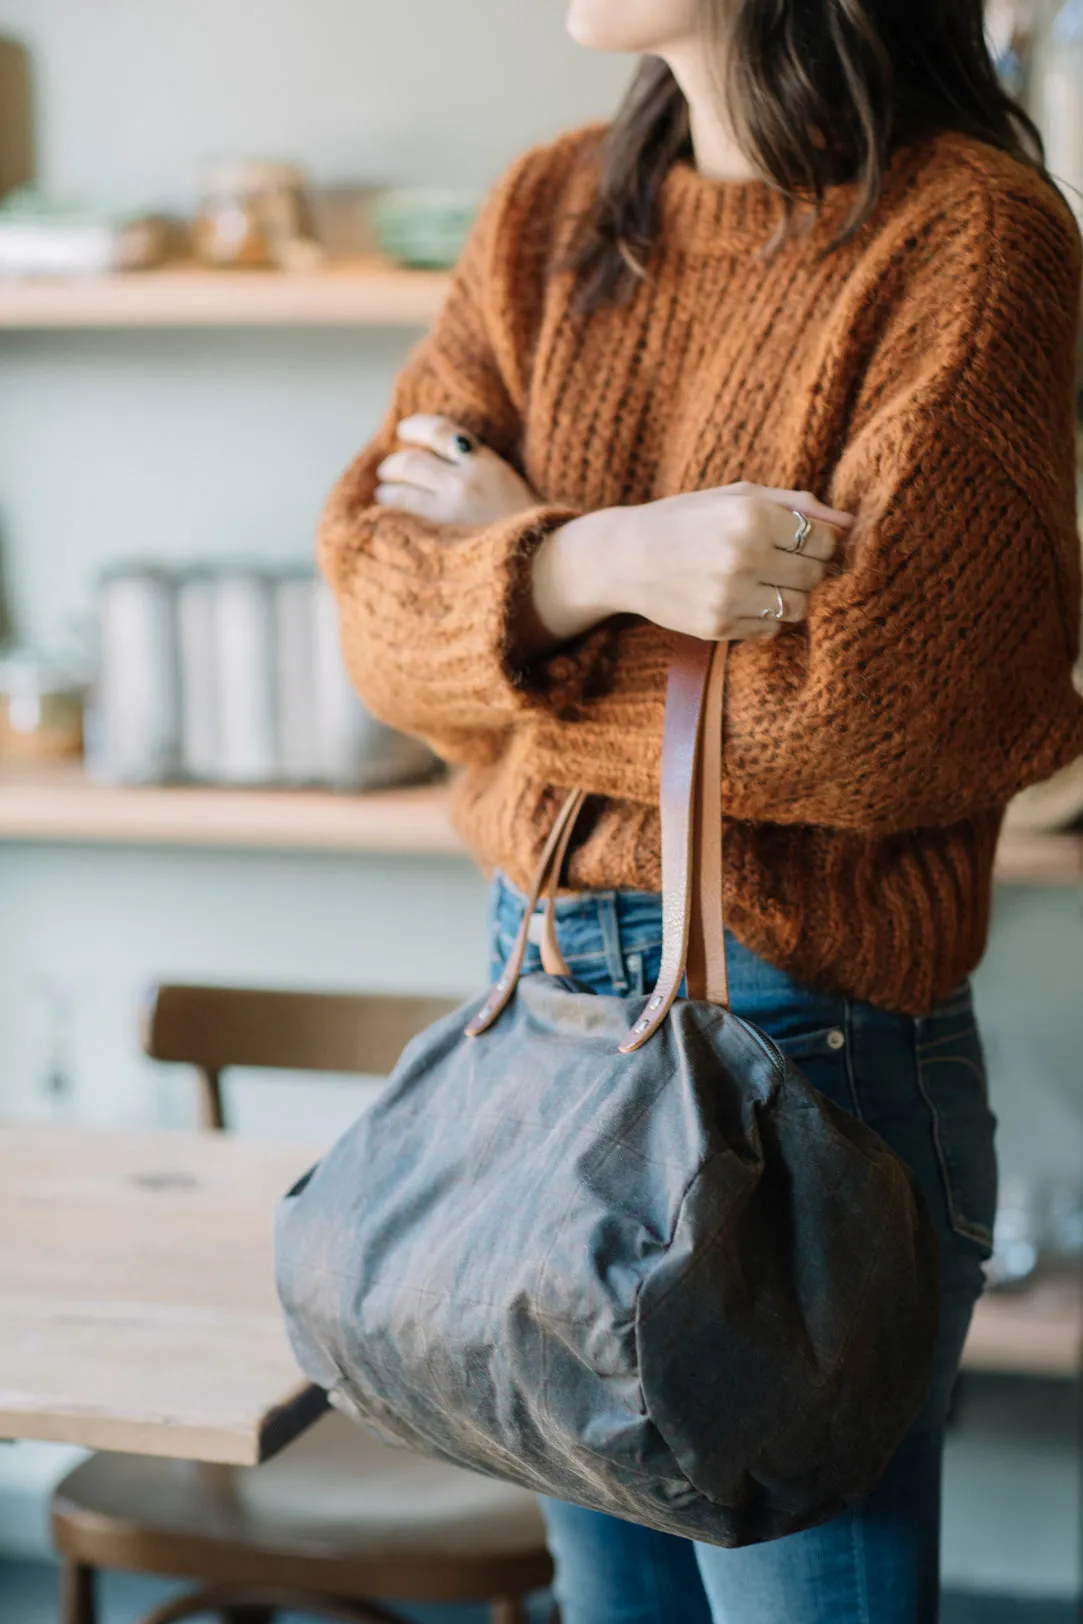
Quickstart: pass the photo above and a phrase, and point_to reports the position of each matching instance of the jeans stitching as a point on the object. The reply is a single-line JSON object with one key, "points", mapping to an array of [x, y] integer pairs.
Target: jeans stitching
{"points": [[960, 1224], [609, 924], [848, 1056], [861, 1588]]}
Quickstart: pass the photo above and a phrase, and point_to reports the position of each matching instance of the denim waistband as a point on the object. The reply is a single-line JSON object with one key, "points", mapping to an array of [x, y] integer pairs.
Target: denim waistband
{"points": [[617, 936]]}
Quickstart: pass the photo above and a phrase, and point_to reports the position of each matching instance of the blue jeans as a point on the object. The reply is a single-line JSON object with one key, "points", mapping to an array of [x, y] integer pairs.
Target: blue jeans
{"points": [[920, 1083]]}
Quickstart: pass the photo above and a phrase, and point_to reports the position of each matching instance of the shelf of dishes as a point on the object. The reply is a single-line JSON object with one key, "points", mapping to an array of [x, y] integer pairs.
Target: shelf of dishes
{"points": [[358, 292], [263, 246]]}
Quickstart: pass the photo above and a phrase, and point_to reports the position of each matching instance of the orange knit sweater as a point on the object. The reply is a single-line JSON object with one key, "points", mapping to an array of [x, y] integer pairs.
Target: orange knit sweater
{"points": [[920, 376]]}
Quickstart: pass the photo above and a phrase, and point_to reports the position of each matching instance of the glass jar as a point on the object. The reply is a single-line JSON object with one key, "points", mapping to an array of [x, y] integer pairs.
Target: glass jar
{"points": [[254, 215], [41, 710]]}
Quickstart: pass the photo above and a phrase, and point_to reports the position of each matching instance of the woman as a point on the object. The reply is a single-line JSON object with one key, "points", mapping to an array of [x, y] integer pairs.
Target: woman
{"points": [[784, 356]]}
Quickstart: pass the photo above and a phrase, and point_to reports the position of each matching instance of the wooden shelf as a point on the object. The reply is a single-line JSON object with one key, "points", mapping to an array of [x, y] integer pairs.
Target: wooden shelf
{"points": [[51, 804], [63, 805], [1037, 1332], [349, 293]]}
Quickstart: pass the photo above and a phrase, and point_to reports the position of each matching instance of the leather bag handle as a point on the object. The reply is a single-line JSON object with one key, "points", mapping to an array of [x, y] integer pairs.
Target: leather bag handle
{"points": [[552, 857], [693, 935], [693, 919]]}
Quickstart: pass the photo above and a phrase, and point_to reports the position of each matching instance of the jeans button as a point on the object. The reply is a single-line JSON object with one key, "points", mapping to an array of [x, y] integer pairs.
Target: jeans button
{"points": [[836, 1039]]}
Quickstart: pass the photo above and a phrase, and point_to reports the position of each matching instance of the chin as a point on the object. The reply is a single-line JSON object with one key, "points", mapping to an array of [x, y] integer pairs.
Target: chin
{"points": [[645, 27]]}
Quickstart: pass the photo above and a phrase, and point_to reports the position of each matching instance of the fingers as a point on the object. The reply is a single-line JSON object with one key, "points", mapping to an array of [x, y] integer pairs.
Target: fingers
{"points": [[437, 434], [805, 502], [421, 468], [781, 512], [821, 542], [801, 501], [766, 596], [801, 571], [411, 499], [747, 630]]}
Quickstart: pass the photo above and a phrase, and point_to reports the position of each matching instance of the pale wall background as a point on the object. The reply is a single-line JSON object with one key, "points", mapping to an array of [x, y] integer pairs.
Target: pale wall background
{"points": [[188, 445]]}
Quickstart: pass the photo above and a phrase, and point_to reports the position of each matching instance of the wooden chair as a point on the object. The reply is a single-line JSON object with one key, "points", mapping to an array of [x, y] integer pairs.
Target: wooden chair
{"points": [[337, 1519]]}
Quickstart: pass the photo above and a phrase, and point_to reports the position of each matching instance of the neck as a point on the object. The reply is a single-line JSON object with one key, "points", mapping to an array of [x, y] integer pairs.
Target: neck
{"points": [[717, 152]]}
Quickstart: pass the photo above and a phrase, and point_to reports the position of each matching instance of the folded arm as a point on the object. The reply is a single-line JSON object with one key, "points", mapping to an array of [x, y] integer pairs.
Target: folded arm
{"points": [[429, 610]]}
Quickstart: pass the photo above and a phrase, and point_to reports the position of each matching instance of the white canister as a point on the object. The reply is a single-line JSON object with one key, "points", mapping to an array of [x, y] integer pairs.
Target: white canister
{"points": [[355, 750], [243, 634], [198, 676], [295, 689], [133, 731]]}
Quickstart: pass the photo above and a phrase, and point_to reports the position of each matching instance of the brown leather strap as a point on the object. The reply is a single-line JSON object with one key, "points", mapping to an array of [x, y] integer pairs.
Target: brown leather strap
{"points": [[693, 922], [685, 696], [501, 994], [708, 978], [553, 961]]}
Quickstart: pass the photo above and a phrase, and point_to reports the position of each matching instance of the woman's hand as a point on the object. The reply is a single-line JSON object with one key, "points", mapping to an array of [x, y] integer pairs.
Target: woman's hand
{"points": [[450, 477], [717, 564]]}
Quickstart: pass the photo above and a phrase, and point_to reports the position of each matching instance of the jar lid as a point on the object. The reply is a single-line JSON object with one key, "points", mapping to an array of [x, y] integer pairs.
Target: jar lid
{"points": [[248, 175]]}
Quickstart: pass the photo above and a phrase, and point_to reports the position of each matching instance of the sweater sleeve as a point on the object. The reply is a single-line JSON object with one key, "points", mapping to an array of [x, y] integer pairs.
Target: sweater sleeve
{"points": [[933, 678], [427, 611]]}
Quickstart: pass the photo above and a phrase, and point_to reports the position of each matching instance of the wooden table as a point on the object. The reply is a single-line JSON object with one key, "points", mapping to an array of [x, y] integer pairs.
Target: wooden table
{"points": [[137, 1303]]}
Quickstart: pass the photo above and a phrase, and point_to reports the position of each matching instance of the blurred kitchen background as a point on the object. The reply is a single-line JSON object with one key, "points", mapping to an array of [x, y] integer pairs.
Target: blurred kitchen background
{"points": [[224, 228]]}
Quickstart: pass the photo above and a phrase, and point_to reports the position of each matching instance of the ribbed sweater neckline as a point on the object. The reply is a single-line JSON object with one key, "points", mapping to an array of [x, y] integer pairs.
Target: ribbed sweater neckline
{"points": [[740, 217]]}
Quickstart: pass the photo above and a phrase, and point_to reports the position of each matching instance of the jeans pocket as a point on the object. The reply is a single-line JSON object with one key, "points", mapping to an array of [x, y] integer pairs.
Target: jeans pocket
{"points": [[819, 1054], [952, 1079]]}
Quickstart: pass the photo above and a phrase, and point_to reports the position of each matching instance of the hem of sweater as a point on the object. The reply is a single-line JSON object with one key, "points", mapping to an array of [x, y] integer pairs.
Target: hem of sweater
{"points": [[620, 853]]}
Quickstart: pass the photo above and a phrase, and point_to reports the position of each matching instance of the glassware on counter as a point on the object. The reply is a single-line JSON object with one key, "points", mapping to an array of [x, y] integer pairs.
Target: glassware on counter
{"points": [[41, 709], [255, 215]]}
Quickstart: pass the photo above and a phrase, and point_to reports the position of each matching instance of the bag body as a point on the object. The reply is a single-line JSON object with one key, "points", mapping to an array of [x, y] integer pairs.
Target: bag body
{"points": [[619, 1251]]}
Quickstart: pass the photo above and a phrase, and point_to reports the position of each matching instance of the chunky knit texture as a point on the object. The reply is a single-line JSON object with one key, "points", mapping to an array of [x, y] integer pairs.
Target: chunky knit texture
{"points": [[920, 376]]}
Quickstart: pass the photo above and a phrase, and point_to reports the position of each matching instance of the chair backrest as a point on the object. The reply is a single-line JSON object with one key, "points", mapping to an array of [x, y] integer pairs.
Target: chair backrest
{"points": [[212, 1028]]}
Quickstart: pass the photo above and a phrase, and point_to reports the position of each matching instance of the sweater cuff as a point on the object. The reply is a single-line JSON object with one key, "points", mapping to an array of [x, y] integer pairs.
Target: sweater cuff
{"points": [[556, 682]]}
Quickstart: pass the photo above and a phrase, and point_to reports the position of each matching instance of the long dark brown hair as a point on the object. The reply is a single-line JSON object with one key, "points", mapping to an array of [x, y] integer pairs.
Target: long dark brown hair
{"points": [[820, 92]]}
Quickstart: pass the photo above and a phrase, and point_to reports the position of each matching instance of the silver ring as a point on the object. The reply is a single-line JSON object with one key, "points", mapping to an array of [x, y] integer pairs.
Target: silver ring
{"points": [[780, 612], [804, 531]]}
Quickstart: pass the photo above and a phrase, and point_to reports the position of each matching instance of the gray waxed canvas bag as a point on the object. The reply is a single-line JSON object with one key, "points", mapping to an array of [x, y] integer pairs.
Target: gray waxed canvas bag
{"points": [[618, 1250]]}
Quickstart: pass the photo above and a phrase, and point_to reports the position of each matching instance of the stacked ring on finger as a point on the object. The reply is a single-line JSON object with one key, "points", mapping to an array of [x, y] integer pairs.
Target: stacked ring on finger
{"points": [[779, 612], [801, 535]]}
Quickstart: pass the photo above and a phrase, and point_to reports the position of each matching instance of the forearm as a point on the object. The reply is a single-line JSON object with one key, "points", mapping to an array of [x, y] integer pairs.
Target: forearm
{"points": [[430, 620], [571, 588]]}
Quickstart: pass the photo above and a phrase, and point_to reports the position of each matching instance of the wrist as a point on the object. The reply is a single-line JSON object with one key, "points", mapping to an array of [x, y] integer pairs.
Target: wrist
{"points": [[574, 577]]}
